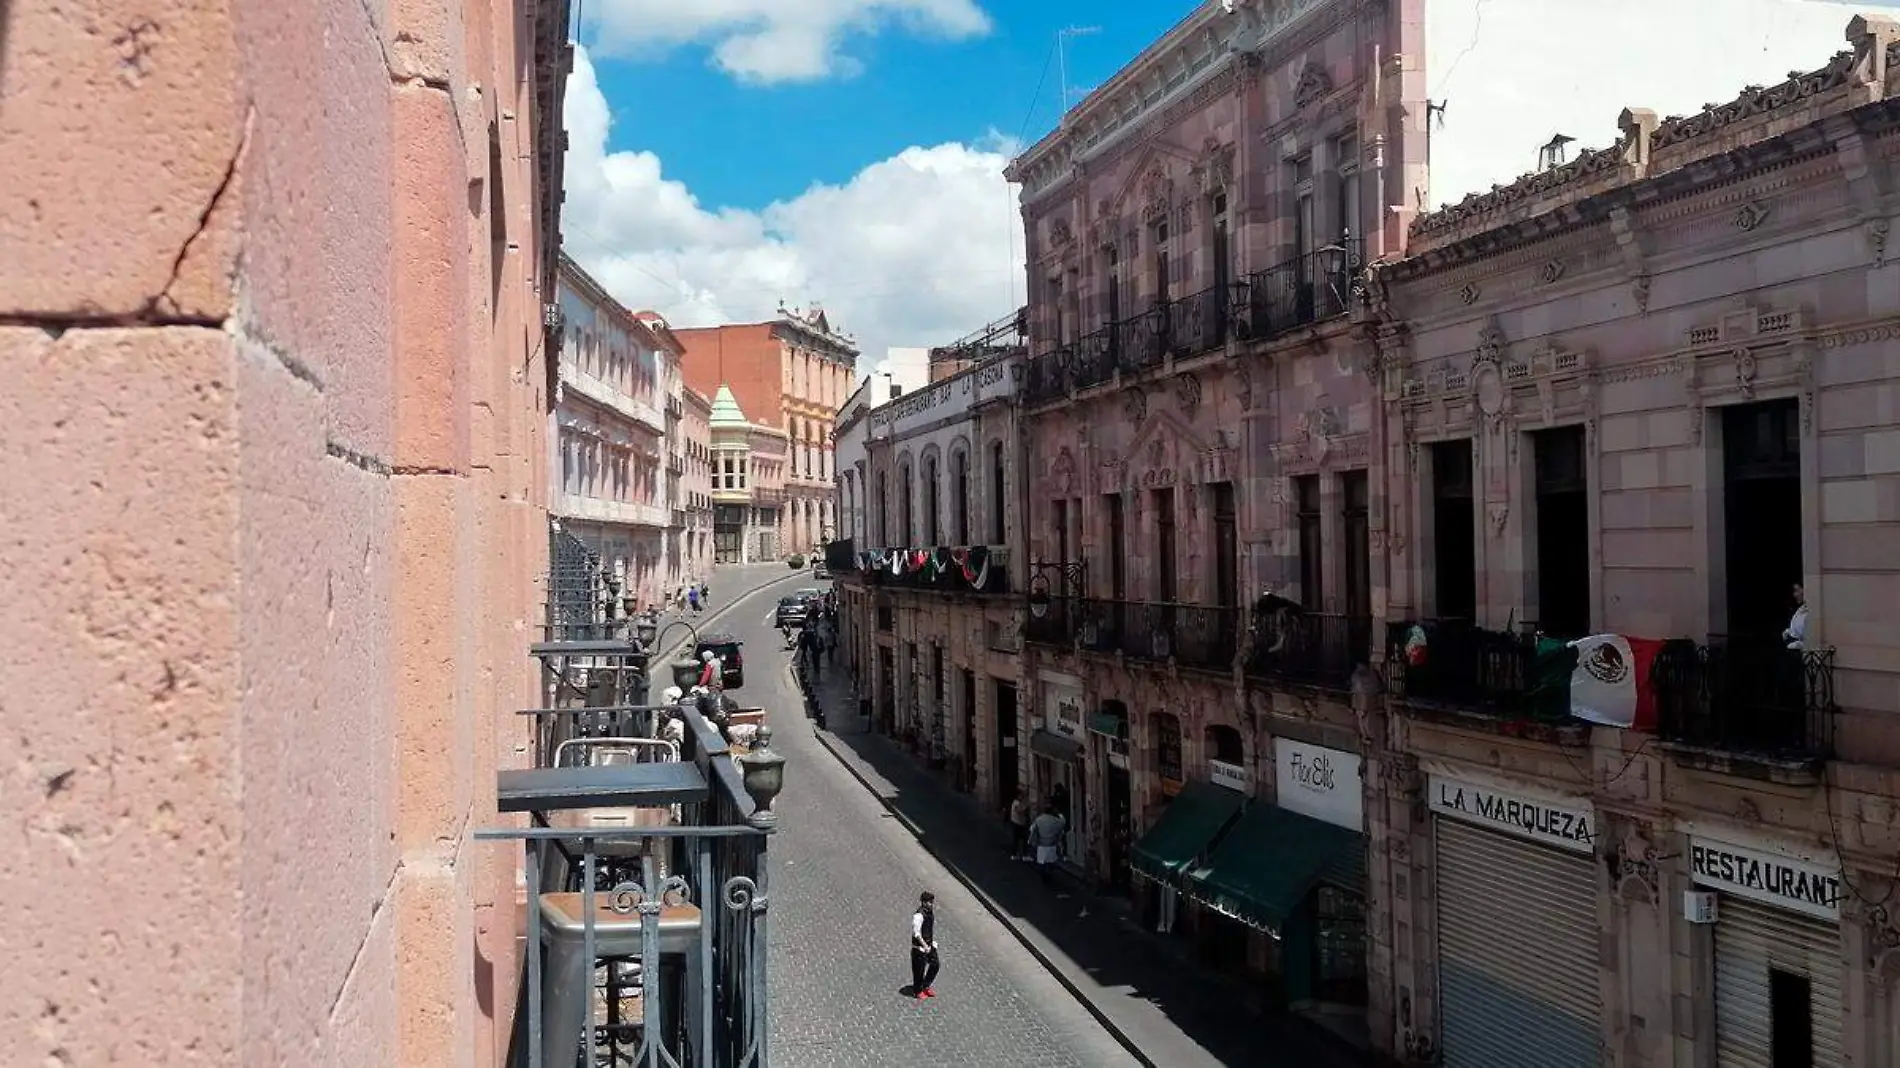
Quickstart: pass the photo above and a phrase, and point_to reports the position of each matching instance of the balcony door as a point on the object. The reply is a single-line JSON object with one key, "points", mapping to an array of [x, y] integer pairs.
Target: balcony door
{"points": [[1165, 579], [1226, 546], [1454, 533], [1356, 526], [1308, 519], [1117, 546], [1761, 504], [1563, 533]]}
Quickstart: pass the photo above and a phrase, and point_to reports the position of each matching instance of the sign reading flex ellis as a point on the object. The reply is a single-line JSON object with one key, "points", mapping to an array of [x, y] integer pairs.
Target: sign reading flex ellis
{"points": [[1567, 825], [1772, 880], [1319, 782]]}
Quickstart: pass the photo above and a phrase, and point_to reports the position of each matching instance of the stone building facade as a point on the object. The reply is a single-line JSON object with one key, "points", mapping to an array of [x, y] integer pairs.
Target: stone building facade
{"points": [[1200, 431], [1647, 394], [790, 373], [278, 397], [748, 484], [931, 627], [609, 431], [691, 452]]}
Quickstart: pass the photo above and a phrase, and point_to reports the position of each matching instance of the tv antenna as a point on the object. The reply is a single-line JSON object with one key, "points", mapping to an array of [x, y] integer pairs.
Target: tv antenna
{"points": [[1062, 56]]}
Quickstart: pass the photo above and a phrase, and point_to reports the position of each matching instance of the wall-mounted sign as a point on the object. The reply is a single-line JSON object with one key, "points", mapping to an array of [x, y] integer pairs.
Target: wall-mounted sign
{"points": [[1063, 710], [1232, 776], [1567, 825], [1319, 782], [1783, 882]]}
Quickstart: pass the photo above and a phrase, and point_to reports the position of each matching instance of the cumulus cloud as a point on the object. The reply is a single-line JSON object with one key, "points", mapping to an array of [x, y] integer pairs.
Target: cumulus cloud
{"points": [[916, 249], [1514, 74], [769, 41]]}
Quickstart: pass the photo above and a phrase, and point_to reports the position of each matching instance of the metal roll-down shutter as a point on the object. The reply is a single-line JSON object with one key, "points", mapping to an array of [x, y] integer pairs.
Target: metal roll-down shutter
{"points": [[1750, 939], [1517, 953]]}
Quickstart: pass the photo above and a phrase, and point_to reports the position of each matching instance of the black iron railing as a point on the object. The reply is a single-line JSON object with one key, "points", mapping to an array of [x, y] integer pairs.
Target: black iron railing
{"points": [[1454, 664], [1305, 289], [1094, 359], [1198, 323], [1307, 647], [1746, 695], [1141, 341], [1047, 377], [1196, 636]]}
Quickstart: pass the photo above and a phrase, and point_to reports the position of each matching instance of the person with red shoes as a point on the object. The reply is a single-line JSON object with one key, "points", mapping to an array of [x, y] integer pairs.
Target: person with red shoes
{"points": [[924, 961]]}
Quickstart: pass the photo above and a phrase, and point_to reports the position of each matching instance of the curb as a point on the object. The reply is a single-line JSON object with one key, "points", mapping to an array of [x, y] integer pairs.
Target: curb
{"points": [[731, 603], [825, 738]]}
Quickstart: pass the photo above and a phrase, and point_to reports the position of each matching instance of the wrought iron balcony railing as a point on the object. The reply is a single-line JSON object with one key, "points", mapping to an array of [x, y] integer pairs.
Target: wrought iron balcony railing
{"points": [[1746, 695], [1198, 323], [1307, 647], [960, 569], [1046, 378], [1196, 636], [1456, 665], [1303, 290]]}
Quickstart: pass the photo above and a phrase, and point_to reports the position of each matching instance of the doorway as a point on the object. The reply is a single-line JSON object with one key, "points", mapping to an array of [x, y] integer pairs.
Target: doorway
{"points": [[1007, 779], [1761, 467], [967, 683], [1563, 533]]}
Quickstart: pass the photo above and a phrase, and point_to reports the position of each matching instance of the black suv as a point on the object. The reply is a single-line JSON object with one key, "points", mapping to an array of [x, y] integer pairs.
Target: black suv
{"points": [[731, 663]]}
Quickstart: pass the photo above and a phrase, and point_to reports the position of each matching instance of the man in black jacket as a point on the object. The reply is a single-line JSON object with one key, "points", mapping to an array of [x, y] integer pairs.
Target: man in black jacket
{"points": [[924, 960]]}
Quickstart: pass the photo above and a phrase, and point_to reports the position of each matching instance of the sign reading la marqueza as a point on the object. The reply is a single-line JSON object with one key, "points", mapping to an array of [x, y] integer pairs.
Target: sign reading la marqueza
{"points": [[1567, 826]]}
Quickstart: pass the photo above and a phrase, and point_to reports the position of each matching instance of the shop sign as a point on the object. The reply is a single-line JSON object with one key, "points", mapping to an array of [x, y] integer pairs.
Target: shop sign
{"points": [[1766, 877], [1064, 711], [1566, 825], [1232, 776], [1323, 783]]}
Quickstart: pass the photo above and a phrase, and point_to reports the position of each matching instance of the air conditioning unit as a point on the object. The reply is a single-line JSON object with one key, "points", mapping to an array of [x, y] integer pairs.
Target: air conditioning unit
{"points": [[1698, 906]]}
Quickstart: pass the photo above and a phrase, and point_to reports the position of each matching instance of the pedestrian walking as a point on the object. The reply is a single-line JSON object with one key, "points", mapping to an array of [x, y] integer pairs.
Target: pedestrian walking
{"points": [[1045, 836], [1018, 826], [924, 959], [692, 599]]}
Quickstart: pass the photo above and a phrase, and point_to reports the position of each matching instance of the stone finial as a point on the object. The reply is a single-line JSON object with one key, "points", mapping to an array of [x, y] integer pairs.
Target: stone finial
{"points": [[1872, 36], [1638, 125]]}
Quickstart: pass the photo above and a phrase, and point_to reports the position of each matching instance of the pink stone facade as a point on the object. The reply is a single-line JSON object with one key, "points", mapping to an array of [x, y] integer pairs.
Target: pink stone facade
{"points": [[276, 419], [1659, 301], [692, 451]]}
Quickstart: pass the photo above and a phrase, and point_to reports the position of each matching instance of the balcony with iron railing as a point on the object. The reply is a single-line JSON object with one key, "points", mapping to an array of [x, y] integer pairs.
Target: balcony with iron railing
{"points": [[644, 862], [1205, 637], [1306, 648], [1749, 706], [1299, 292], [965, 569]]}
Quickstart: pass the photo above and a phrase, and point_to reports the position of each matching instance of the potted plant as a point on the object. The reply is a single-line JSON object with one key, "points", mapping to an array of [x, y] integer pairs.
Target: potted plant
{"points": [[797, 562]]}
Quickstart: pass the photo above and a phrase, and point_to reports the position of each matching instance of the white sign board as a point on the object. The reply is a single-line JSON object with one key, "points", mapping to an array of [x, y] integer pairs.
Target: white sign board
{"points": [[1569, 825], [1063, 711], [1231, 776], [1796, 885], [1319, 782]]}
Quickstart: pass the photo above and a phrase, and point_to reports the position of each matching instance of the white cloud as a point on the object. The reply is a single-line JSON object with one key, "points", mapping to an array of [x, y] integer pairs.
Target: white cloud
{"points": [[917, 249], [1515, 72], [773, 40]]}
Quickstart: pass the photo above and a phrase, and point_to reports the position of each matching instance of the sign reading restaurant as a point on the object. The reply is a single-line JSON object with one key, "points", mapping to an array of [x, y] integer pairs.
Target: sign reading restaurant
{"points": [[1765, 877], [1565, 825]]}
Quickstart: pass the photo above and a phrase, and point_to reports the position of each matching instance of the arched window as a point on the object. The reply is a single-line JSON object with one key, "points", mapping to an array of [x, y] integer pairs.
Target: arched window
{"points": [[933, 530], [960, 494], [1167, 737], [907, 490], [1223, 744], [998, 534]]}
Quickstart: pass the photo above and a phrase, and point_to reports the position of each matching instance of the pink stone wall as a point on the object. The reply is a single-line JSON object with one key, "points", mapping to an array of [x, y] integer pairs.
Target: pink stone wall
{"points": [[280, 426]]}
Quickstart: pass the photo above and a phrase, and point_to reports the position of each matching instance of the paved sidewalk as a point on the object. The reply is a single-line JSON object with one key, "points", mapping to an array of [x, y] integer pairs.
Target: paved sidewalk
{"points": [[1143, 987]]}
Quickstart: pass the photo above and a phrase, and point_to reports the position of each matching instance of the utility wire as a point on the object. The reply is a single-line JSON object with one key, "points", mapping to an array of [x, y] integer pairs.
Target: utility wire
{"points": [[1036, 97], [1477, 27]]}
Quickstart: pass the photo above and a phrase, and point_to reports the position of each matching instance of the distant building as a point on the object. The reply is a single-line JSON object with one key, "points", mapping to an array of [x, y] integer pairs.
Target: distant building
{"points": [[748, 484], [790, 373]]}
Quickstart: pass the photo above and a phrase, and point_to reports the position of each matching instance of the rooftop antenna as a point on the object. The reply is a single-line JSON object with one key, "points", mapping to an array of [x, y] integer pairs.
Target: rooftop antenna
{"points": [[1551, 156], [1062, 56]]}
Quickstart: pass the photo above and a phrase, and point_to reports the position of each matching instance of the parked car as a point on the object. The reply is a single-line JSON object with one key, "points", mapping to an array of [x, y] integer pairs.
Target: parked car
{"points": [[819, 570], [731, 660]]}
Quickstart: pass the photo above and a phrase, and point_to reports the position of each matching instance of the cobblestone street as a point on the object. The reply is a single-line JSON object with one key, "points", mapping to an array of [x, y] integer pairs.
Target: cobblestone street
{"points": [[845, 878]]}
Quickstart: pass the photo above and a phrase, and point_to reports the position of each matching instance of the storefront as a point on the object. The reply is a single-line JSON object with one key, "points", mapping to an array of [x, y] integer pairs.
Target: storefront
{"points": [[1108, 737], [1517, 942], [1779, 967], [1056, 751]]}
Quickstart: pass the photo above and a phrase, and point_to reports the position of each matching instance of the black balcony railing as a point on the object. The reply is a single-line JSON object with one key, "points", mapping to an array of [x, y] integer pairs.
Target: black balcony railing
{"points": [[1052, 621], [946, 569], [1196, 636], [1746, 695], [1307, 647], [1141, 341], [1092, 359], [1198, 323], [1306, 289], [1047, 377], [1456, 665]]}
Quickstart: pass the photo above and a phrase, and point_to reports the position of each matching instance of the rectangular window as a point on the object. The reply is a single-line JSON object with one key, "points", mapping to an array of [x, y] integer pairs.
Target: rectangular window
{"points": [[1356, 510], [1454, 532], [1059, 510], [1563, 548], [1113, 309], [1159, 238], [1219, 252], [1165, 581], [1312, 581], [1346, 164], [1117, 547], [1059, 327], [1226, 546]]}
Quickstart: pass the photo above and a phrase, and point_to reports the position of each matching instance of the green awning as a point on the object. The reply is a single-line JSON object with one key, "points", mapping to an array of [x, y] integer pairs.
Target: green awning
{"points": [[1185, 831], [1271, 859]]}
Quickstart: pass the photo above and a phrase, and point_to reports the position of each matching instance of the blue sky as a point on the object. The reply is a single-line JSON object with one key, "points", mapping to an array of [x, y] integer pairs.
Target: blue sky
{"points": [[727, 155], [911, 90]]}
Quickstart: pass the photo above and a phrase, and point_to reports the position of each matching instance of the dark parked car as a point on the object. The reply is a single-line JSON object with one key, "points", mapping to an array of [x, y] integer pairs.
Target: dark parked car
{"points": [[731, 661]]}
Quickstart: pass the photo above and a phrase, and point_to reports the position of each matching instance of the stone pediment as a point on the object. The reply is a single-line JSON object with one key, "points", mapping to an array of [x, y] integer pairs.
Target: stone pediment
{"points": [[1148, 182], [1165, 451]]}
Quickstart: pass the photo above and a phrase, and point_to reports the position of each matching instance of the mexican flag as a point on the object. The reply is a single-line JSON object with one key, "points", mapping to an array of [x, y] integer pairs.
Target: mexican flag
{"points": [[1610, 683]]}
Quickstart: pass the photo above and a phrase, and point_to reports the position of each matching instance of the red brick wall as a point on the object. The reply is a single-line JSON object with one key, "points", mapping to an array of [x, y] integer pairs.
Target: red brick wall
{"points": [[745, 357]]}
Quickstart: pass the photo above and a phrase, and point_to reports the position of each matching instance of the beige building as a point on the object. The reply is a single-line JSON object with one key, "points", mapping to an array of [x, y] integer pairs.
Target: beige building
{"points": [[748, 484], [689, 469], [1647, 394], [276, 290]]}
